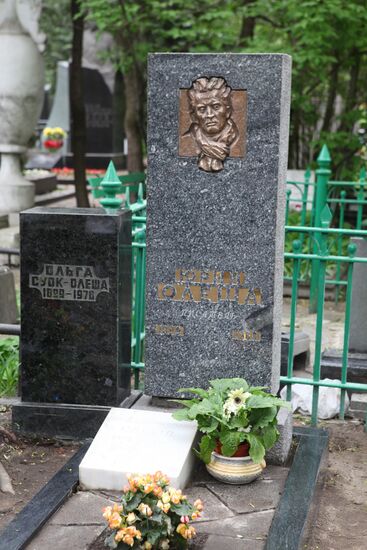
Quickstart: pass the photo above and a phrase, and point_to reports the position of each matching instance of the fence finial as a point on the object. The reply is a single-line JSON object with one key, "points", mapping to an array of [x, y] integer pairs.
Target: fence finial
{"points": [[111, 185], [324, 157]]}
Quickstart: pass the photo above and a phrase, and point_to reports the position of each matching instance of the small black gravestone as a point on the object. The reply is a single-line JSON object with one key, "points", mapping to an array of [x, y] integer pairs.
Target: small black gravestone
{"points": [[76, 319]]}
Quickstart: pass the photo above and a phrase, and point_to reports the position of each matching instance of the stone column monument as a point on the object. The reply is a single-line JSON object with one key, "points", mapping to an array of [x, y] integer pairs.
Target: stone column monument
{"points": [[217, 159], [21, 95]]}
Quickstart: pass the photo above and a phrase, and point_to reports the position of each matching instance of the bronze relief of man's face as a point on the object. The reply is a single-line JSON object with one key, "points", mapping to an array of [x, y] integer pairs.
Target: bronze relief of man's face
{"points": [[211, 113], [212, 130]]}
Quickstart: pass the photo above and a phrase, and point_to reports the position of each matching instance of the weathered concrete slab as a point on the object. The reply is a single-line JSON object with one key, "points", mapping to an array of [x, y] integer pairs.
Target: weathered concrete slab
{"points": [[250, 526], [62, 537], [85, 506], [254, 497], [214, 508]]}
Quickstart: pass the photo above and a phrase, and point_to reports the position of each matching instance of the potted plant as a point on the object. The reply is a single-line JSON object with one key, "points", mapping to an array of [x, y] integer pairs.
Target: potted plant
{"points": [[238, 423], [152, 515]]}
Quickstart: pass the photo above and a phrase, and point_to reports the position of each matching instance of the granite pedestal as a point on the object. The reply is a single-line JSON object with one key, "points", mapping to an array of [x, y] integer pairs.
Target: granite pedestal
{"points": [[215, 219], [75, 319]]}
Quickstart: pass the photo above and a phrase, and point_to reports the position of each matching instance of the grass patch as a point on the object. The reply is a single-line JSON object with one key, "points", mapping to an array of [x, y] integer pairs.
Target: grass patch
{"points": [[9, 366]]}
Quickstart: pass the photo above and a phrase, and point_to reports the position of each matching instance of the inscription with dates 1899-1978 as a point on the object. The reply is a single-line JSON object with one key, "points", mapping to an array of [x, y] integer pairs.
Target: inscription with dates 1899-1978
{"points": [[69, 282]]}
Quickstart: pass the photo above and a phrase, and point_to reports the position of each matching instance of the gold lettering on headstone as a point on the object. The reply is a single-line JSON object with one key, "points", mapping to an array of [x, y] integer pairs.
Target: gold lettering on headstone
{"points": [[212, 122], [246, 335], [195, 285], [171, 330]]}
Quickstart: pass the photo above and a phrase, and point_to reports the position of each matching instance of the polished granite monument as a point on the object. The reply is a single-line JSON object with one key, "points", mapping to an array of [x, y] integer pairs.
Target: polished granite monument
{"points": [[75, 319], [217, 158]]}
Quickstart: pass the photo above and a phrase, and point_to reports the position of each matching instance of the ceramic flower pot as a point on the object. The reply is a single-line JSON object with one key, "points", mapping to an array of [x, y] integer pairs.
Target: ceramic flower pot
{"points": [[234, 470], [242, 450]]}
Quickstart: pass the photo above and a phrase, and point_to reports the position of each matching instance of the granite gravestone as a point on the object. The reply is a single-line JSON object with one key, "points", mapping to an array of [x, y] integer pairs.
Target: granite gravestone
{"points": [[101, 123], [75, 319], [217, 146]]}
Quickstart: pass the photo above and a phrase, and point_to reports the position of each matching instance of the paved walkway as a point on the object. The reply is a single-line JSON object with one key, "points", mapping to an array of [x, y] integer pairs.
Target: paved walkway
{"points": [[235, 517]]}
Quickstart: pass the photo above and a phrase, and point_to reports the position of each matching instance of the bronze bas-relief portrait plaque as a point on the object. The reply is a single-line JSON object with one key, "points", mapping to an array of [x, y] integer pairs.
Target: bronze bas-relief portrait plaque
{"points": [[212, 123]]}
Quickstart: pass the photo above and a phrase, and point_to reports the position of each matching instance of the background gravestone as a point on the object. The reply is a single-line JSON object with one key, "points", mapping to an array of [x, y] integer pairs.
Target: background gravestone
{"points": [[331, 359], [215, 238], [358, 318], [105, 140], [8, 302], [75, 320]]}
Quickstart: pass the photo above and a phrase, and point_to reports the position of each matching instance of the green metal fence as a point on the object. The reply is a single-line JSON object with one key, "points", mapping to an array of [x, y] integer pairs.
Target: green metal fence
{"points": [[322, 257], [339, 196], [314, 246], [106, 190]]}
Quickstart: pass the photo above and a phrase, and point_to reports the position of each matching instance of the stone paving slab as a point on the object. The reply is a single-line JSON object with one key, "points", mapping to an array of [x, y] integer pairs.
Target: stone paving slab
{"points": [[65, 537], [236, 517], [254, 526], [230, 543], [263, 495], [83, 508], [214, 508]]}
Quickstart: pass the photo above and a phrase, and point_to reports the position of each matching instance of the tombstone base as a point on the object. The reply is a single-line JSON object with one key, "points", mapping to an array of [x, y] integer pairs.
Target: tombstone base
{"points": [[301, 351], [138, 442], [99, 161], [279, 454], [331, 366], [63, 421]]}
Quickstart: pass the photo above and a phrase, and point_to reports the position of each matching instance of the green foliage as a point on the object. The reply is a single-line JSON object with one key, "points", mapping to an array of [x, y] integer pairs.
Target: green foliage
{"points": [[230, 413], [9, 366], [56, 23], [328, 46]]}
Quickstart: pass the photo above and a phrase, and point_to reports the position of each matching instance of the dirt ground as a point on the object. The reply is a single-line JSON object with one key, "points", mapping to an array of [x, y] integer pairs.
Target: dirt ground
{"points": [[30, 464], [340, 519]]}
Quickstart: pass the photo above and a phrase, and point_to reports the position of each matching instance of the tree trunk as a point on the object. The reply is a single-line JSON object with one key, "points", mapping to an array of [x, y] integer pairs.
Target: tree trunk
{"points": [[133, 96], [118, 112], [333, 88], [294, 140], [351, 99], [248, 27], [79, 132]]}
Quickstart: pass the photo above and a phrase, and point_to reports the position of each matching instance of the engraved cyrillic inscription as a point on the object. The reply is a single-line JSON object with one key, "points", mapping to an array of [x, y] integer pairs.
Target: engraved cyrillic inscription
{"points": [[211, 286], [69, 282]]}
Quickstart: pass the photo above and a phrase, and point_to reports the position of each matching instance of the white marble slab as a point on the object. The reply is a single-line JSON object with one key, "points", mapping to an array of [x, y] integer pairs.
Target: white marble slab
{"points": [[132, 441]]}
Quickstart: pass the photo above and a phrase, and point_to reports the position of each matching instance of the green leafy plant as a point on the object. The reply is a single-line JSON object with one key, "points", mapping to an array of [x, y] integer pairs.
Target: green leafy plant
{"points": [[151, 515], [229, 413], [9, 366]]}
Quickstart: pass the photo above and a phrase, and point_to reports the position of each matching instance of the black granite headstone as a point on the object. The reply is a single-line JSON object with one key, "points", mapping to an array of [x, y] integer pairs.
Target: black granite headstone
{"points": [[76, 316]]}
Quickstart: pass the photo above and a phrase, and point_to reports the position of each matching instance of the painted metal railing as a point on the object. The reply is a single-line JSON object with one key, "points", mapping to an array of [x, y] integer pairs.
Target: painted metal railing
{"points": [[322, 257], [339, 195], [105, 189]]}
